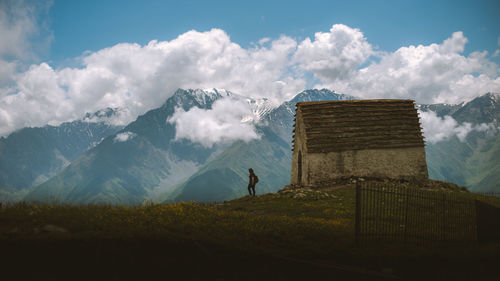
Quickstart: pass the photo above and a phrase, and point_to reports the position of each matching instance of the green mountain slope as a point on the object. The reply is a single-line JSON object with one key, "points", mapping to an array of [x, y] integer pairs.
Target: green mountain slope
{"points": [[118, 173], [226, 176], [484, 166], [30, 156], [475, 161], [129, 166]]}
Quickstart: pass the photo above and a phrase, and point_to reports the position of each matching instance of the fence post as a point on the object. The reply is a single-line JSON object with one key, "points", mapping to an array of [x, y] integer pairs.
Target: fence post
{"points": [[406, 215], [444, 218], [477, 224], [357, 220]]}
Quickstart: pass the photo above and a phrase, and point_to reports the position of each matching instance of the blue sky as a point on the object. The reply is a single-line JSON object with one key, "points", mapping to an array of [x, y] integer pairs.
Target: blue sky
{"points": [[92, 25], [62, 59]]}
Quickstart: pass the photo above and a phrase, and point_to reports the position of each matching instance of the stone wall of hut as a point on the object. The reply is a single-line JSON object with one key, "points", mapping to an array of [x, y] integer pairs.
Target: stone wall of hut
{"points": [[396, 163]]}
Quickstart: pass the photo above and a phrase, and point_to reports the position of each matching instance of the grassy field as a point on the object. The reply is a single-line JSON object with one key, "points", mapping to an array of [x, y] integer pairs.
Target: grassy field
{"points": [[290, 235]]}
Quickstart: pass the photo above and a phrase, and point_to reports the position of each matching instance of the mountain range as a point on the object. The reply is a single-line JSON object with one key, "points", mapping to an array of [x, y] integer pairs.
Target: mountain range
{"points": [[30, 156], [473, 162], [145, 161]]}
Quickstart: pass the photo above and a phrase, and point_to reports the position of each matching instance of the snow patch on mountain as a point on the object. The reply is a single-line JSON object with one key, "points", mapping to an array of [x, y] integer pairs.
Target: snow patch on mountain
{"points": [[217, 91], [259, 108], [206, 96]]}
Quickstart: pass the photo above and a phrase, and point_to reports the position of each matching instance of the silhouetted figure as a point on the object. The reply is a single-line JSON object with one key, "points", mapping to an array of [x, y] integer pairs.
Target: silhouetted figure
{"points": [[253, 180]]}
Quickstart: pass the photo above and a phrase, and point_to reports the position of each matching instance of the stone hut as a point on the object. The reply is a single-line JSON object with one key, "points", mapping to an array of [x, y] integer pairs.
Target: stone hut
{"points": [[357, 138]]}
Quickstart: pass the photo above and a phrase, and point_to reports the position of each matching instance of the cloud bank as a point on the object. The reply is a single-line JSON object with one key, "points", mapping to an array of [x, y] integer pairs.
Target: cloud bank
{"points": [[335, 55], [437, 73], [137, 78], [438, 129], [140, 78]]}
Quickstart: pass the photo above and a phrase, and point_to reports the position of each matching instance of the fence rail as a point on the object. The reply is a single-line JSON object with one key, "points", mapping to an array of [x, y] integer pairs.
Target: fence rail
{"points": [[391, 212], [489, 194]]}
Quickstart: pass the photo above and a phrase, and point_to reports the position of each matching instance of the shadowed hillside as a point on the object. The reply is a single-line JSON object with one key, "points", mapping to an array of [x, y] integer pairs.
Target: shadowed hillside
{"points": [[295, 234]]}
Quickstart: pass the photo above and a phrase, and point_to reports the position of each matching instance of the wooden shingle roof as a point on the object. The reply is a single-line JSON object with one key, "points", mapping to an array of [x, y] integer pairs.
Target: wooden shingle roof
{"points": [[359, 124]]}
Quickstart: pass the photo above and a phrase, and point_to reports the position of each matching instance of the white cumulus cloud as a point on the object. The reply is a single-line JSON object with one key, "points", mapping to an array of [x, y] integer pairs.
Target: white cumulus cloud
{"points": [[125, 136], [334, 55], [437, 73], [21, 21], [438, 129], [224, 123], [23, 29]]}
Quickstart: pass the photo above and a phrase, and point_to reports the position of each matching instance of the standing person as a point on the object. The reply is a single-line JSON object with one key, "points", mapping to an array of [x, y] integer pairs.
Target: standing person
{"points": [[253, 179]]}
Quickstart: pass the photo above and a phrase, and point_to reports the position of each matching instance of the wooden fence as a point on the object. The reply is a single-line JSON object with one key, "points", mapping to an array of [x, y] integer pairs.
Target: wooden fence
{"points": [[415, 215]]}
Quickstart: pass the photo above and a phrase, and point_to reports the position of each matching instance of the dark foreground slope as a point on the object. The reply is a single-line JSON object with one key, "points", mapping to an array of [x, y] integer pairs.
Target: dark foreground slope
{"points": [[292, 235], [164, 259]]}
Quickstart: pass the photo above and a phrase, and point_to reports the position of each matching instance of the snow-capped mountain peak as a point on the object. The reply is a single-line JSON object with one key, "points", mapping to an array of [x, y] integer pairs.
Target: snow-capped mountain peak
{"points": [[201, 97], [217, 91], [258, 106]]}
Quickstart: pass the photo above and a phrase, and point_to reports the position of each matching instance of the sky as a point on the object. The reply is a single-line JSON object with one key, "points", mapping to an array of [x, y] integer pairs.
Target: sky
{"points": [[62, 59]]}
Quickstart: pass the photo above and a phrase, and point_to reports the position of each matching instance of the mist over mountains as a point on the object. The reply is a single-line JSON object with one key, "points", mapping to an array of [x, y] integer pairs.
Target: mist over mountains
{"points": [[169, 155]]}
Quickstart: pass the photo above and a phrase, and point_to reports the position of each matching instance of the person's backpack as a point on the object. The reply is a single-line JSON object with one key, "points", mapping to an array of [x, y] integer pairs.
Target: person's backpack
{"points": [[256, 178]]}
